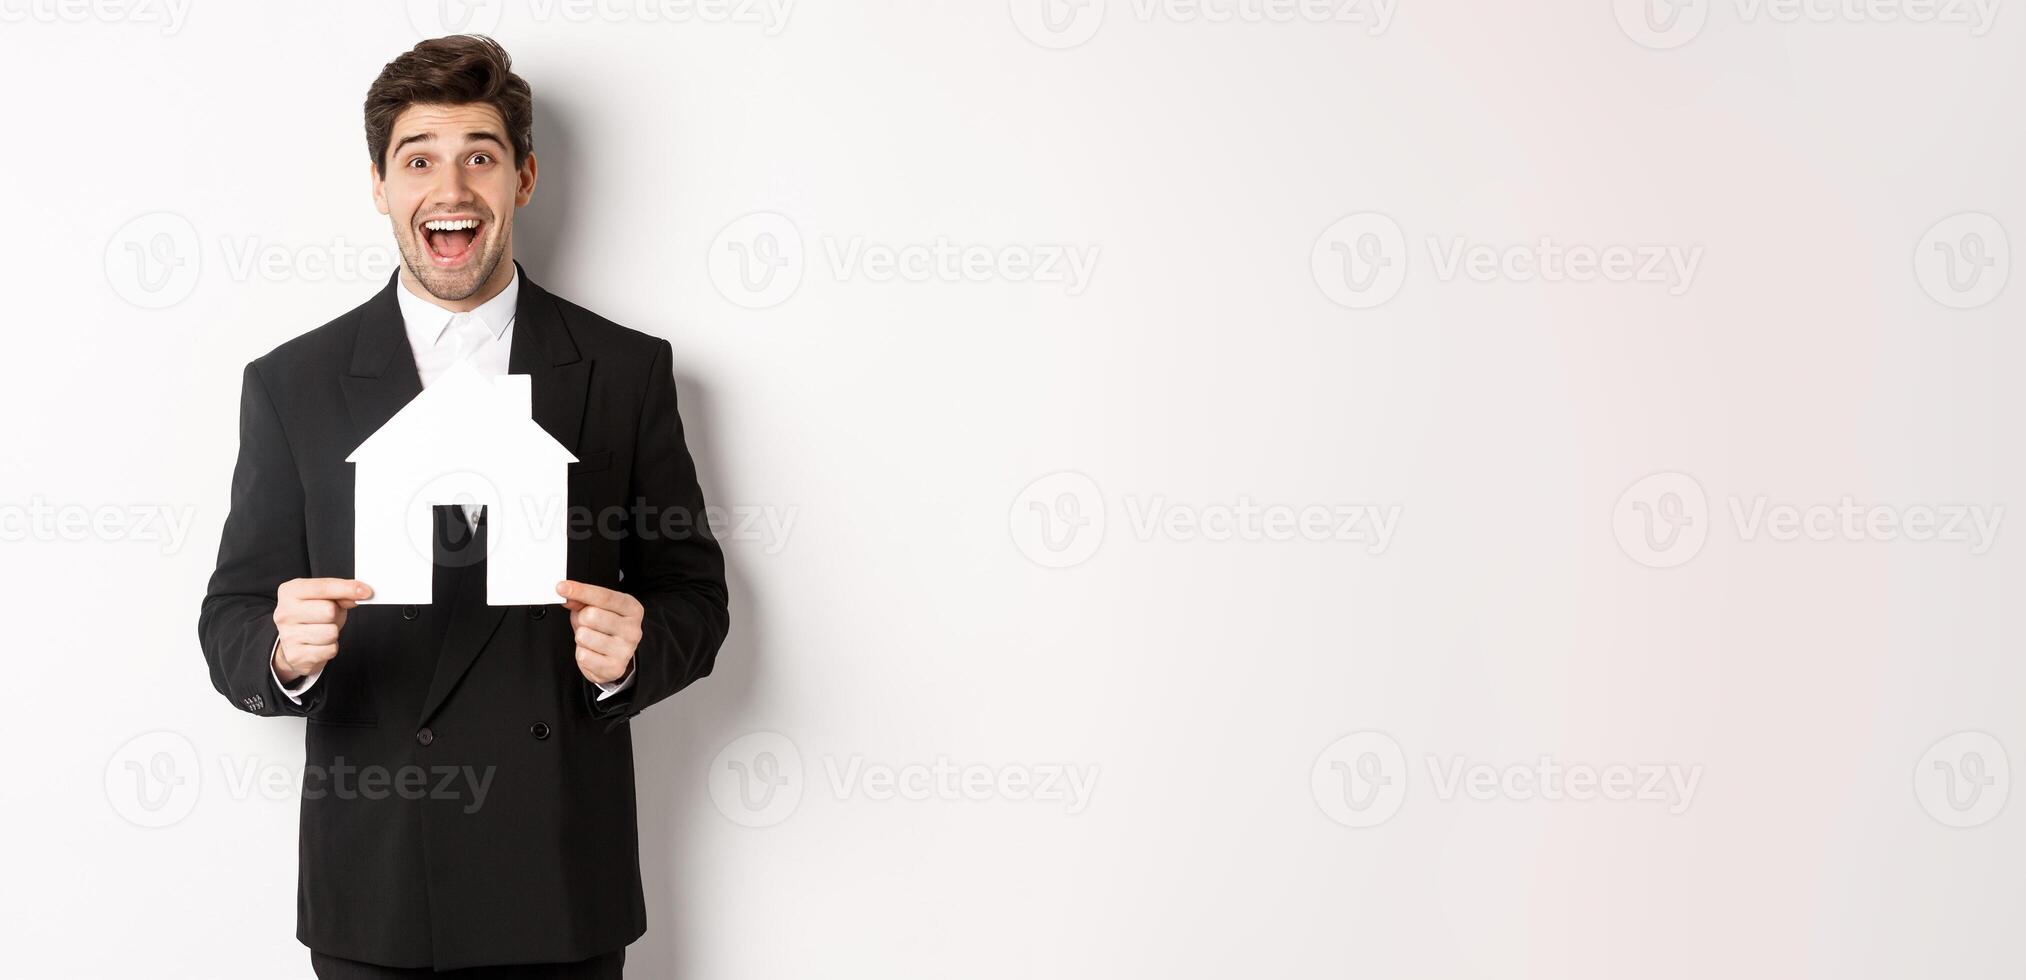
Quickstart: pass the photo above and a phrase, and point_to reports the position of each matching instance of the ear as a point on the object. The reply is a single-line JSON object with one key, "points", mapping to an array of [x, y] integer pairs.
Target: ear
{"points": [[526, 190], [379, 187]]}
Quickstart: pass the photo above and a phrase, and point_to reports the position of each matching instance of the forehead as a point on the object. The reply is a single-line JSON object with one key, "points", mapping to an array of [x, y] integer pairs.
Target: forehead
{"points": [[448, 122]]}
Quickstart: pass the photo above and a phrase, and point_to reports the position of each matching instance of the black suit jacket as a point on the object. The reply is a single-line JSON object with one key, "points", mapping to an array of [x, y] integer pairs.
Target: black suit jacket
{"points": [[500, 827]]}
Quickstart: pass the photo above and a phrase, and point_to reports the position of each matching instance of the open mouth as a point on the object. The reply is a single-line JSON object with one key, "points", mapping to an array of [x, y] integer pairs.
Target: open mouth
{"points": [[451, 241]]}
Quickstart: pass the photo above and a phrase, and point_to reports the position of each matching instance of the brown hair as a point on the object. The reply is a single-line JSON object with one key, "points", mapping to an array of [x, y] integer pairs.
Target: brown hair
{"points": [[455, 70]]}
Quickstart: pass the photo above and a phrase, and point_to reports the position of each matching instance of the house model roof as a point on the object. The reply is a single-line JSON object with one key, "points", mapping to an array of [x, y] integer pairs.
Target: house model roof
{"points": [[466, 420]]}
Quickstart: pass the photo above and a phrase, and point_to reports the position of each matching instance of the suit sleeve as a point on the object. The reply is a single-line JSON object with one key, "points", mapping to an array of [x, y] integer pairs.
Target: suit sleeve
{"points": [[679, 579], [264, 545]]}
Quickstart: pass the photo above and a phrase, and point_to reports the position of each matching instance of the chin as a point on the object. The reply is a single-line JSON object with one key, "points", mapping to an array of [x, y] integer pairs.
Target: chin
{"points": [[453, 285], [450, 287]]}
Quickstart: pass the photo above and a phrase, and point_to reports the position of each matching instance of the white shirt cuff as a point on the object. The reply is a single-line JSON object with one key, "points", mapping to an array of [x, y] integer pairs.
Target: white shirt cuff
{"points": [[607, 690], [302, 684]]}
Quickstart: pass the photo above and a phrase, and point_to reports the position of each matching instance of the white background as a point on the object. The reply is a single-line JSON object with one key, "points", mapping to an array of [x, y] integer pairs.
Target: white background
{"points": [[1529, 602]]}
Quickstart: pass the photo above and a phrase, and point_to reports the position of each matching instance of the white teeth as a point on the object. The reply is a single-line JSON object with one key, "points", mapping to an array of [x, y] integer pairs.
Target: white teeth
{"points": [[465, 224]]}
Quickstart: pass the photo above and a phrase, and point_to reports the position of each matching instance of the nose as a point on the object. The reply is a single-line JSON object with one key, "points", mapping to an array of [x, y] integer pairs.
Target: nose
{"points": [[450, 191]]}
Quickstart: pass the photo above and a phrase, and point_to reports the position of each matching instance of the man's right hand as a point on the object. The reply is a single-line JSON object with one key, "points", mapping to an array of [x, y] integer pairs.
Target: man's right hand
{"points": [[308, 614]]}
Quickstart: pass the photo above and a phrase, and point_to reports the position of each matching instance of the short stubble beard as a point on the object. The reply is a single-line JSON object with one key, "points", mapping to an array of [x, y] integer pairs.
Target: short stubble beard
{"points": [[439, 282]]}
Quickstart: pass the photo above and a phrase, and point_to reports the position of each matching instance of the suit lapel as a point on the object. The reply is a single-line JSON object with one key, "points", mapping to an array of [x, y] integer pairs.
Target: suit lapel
{"points": [[381, 376], [559, 379], [545, 351]]}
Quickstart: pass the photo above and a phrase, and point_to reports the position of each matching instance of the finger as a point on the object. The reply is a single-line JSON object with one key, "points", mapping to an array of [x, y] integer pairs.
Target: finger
{"points": [[307, 634], [325, 588], [586, 594], [605, 621], [310, 658], [604, 643], [313, 634], [599, 667], [592, 595], [308, 611]]}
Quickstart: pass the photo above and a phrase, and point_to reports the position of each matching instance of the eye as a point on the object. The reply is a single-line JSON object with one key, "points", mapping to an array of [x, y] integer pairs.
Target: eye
{"points": [[417, 163], [481, 158]]}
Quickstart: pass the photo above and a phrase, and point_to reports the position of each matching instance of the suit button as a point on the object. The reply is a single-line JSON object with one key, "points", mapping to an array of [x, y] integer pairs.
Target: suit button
{"points": [[539, 729], [538, 612], [410, 612], [425, 736]]}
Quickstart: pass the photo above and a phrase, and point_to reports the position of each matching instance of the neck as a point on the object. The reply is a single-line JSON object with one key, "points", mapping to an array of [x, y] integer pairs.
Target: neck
{"points": [[498, 281]]}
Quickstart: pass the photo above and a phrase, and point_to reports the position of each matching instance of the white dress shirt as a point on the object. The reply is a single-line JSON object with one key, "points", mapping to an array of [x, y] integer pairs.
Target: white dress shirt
{"points": [[439, 339]]}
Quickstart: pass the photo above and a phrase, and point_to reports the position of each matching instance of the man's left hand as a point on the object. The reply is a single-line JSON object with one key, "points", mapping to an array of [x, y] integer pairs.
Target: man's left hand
{"points": [[606, 625]]}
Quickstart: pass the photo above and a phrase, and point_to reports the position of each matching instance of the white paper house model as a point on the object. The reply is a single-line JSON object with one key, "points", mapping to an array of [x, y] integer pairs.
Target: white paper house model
{"points": [[466, 439]]}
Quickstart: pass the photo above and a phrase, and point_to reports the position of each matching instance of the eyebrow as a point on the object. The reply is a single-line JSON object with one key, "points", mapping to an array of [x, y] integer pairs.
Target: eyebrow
{"points": [[480, 135]]}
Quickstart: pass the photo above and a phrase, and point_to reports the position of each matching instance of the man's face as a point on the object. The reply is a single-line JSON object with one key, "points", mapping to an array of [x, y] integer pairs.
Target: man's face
{"points": [[450, 190]]}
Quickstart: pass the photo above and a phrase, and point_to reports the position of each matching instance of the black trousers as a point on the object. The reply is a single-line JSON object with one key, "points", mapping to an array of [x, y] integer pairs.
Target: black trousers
{"points": [[607, 966]]}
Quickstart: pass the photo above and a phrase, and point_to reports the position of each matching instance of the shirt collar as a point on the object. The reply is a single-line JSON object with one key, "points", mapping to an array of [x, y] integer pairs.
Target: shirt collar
{"points": [[426, 321]]}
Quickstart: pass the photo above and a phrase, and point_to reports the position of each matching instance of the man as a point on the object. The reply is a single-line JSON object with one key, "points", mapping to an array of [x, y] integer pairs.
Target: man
{"points": [[468, 796]]}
